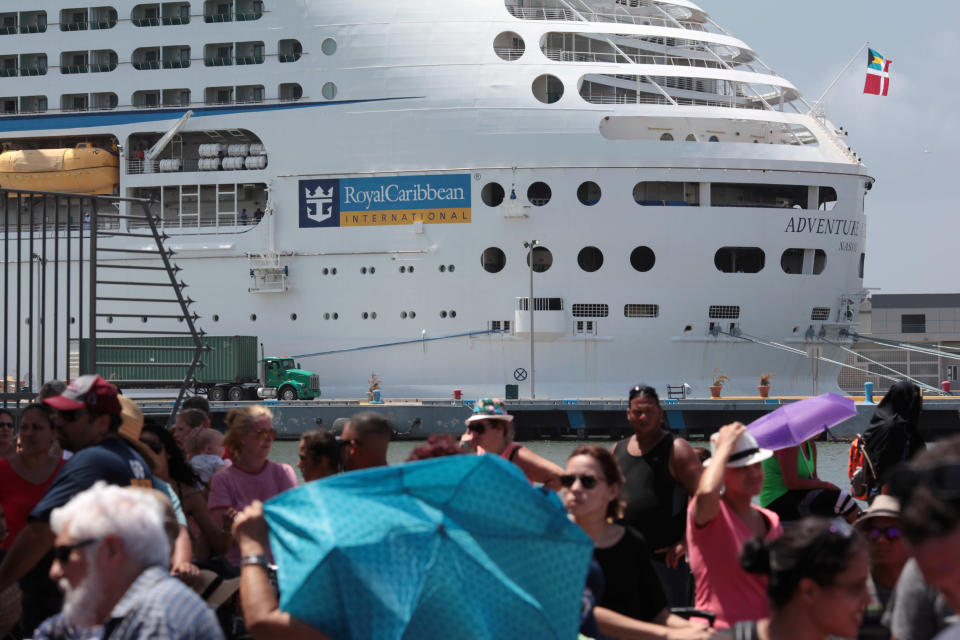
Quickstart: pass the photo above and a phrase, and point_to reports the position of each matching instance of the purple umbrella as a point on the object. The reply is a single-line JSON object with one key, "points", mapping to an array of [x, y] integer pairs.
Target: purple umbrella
{"points": [[797, 422]]}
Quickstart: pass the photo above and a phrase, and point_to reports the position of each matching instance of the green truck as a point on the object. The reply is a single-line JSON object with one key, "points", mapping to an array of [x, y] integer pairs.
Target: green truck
{"points": [[231, 368]]}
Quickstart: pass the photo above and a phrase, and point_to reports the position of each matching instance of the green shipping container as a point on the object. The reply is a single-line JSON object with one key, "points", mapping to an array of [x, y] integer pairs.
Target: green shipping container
{"points": [[230, 359]]}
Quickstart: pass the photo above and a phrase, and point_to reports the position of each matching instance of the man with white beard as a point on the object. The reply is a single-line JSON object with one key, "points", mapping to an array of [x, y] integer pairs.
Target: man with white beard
{"points": [[111, 560]]}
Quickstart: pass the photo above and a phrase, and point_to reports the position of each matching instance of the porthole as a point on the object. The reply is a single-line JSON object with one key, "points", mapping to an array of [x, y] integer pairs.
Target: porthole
{"points": [[542, 259], [326, 271], [451, 268], [453, 313], [443, 314], [110, 320], [413, 314], [492, 194], [326, 316], [493, 260], [509, 45], [403, 269], [403, 315], [364, 315], [590, 259], [216, 318], [443, 268], [363, 270], [336, 316], [539, 194], [328, 46], [373, 315], [588, 193], [642, 259], [333, 271], [293, 316], [373, 270], [547, 88], [328, 90], [666, 137], [253, 317]]}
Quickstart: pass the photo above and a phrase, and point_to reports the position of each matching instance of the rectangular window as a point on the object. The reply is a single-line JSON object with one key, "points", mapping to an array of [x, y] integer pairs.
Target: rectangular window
{"points": [[913, 323], [540, 304], [641, 310], [584, 328], [591, 311], [724, 312]]}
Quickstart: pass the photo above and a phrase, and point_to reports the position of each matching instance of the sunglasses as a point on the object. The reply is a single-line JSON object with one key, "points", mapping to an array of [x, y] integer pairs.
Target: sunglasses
{"points": [[6, 425], [943, 480], [266, 434], [892, 534], [587, 481], [479, 426], [62, 553]]}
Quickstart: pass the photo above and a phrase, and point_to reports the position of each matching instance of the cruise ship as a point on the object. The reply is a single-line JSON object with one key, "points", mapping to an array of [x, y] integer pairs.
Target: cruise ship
{"points": [[382, 187]]}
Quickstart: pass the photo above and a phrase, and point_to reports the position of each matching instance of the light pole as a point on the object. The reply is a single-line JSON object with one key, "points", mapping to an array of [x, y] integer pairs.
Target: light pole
{"points": [[530, 304]]}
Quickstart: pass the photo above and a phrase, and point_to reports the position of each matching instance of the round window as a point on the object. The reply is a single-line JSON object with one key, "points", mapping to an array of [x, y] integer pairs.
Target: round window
{"points": [[642, 259], [493, 259], [329, 90], [547, 88], [492, 194], [542, 259], [588, 193], [509, 45], [328, 46], [590, 259], [539, 194]]}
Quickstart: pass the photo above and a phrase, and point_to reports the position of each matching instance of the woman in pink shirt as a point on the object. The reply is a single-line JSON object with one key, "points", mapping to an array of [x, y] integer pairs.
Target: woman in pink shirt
{"points": [[251, 476], [720, 519]]}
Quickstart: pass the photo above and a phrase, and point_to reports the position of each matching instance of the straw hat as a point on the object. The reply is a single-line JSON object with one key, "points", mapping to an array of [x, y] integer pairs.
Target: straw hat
{"points": [[131, 427]]}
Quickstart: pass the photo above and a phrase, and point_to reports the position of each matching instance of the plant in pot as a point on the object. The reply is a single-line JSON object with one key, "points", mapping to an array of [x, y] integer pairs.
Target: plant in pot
{"points": [[764, 388], [719, 378]]}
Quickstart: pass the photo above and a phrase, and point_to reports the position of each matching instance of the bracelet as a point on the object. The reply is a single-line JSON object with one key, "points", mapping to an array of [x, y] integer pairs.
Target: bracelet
{"points": [[254, 559]]}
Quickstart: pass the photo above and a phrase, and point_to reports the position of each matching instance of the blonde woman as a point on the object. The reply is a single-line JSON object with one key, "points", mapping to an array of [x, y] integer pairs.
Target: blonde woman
{"points": [[251, 476]]}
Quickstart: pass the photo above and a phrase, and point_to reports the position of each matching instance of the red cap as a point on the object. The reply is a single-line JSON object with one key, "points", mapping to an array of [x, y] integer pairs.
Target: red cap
{"points": [[91, 392]]}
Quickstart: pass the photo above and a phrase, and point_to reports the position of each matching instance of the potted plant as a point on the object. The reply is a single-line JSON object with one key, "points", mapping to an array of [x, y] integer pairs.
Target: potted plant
{"points": [[718, 379], [764, 388]]}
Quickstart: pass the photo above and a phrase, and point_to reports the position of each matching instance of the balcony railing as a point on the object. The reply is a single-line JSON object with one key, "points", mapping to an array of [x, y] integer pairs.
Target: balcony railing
{"points": [[557, 13]]}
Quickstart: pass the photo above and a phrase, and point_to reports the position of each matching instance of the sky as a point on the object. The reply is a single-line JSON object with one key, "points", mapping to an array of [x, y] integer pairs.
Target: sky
{"points": [[909, 140]]}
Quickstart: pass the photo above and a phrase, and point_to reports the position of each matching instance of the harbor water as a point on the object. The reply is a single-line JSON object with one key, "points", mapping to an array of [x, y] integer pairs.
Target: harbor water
{"points": [[831, 456]]}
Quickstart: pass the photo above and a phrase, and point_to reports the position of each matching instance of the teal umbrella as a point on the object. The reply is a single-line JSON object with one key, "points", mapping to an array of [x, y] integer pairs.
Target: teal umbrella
{"points": [[449, 548]]}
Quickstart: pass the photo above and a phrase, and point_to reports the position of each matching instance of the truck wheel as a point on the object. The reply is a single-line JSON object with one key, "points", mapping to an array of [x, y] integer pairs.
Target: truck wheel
{"points": [[217, 395], [235, 394], [288, 393]]}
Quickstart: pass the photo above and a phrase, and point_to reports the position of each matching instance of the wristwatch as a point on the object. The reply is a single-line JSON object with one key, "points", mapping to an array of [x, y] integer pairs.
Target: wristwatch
{"points": [[257, 559]]}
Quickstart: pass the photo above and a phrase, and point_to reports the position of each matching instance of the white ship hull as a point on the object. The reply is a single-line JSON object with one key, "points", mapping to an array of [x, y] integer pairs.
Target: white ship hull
{"points": [[422, 98]]}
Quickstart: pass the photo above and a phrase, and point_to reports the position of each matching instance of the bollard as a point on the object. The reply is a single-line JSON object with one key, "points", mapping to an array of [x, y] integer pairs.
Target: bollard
{"points": [[457, 394], [945, 386], [868, 392]]}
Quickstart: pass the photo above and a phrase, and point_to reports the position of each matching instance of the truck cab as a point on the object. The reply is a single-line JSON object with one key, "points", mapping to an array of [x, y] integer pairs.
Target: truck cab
{"points": [[290, 381]]}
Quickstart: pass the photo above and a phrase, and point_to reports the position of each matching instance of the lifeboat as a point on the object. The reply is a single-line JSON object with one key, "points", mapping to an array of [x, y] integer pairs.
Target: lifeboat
{"points": [[82, 169]]}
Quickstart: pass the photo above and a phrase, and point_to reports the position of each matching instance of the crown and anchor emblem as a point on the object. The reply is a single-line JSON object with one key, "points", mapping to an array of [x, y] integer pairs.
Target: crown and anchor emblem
{"points": [[319, 203]]}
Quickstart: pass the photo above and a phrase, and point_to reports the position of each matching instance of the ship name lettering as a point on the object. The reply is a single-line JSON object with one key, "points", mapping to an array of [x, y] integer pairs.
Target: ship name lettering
{"points": [[366, 198], [824, 226]]}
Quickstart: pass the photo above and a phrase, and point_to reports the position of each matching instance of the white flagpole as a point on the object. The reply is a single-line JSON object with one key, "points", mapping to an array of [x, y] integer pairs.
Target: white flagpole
{"points": [[837, 79]]}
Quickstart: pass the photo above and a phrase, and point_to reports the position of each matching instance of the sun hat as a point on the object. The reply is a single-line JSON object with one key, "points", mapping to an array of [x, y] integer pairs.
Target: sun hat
{"points": [[91, 392], [489, 409], [131, 427], [883, 506], [745, 452]]}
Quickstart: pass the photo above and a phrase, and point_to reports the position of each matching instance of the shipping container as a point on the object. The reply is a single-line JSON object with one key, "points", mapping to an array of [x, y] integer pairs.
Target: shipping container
{"points": [[230, 359]]}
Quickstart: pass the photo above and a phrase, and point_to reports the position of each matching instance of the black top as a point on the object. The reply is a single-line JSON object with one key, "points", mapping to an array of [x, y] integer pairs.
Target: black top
{"points": [[656, 502], [631, 586], [893, 435]]}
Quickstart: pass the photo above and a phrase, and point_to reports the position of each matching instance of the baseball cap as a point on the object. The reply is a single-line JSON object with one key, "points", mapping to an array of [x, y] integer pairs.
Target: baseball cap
{"points": [[89, 392]]}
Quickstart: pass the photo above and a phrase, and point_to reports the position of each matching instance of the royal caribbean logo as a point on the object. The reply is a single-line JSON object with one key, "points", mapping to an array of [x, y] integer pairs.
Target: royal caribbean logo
{"points": [[319, 203], [399, 200]]}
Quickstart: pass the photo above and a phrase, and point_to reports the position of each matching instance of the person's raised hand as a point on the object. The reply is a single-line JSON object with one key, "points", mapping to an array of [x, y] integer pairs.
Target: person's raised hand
{"points": [[727, 437], [250, 527]]}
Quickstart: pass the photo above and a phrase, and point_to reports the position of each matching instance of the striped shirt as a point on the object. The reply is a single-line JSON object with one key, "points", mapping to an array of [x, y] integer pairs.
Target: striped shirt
{"points": [[159, 606]]}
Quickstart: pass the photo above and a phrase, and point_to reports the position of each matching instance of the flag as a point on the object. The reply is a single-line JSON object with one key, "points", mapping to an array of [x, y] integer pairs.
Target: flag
{"points": [[878, 74]]}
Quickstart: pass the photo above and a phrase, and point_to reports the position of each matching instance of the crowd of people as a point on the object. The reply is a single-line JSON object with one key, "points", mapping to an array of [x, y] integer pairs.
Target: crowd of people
{"points": [[115, 526]]}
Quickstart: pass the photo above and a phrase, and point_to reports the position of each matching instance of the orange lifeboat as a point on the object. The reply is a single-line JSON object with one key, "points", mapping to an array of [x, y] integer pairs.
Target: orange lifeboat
{"points": [[82, 169]]}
